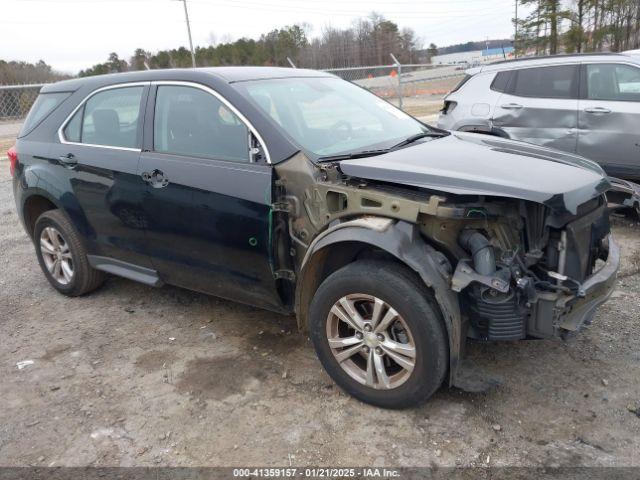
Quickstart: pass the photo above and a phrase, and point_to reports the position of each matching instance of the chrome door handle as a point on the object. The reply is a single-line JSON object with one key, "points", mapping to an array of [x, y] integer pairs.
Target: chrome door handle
{"points": [[511, 106], [600, 110]]}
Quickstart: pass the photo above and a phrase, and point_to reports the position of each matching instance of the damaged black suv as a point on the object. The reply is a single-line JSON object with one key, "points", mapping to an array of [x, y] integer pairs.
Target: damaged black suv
{"points": [[292, 190]]}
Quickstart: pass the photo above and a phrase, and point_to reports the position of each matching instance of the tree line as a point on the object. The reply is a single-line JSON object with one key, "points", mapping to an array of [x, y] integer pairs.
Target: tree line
{"points": [[555, 26], [22, 73], [369, 41]]}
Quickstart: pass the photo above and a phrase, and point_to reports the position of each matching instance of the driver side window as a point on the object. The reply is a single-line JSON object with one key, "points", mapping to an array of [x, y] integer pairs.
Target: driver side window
{"points": [[190, 121]]}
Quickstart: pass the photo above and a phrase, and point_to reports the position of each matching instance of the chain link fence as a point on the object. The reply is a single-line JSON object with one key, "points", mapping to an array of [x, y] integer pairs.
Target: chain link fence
{"points": [[16, 101], [416, 88]]}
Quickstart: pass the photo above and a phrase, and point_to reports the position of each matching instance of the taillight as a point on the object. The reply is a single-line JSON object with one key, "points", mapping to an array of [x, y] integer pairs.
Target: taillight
{"points": [[13, 159]]}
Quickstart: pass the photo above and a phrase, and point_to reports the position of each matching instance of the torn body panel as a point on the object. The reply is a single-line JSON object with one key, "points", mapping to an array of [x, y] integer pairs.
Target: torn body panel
{"points": [[327, 217]]}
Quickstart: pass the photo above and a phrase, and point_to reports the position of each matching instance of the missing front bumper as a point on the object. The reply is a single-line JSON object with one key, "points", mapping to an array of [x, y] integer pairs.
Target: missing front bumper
{"points": [[555, 313]]}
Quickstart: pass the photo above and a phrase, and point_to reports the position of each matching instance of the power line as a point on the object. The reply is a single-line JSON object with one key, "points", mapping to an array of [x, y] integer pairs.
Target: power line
{"points": [[296, 6], [268, 6], [367, 3]]}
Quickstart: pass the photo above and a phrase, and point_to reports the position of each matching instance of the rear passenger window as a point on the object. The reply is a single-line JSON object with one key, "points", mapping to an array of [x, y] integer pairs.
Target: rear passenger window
{"points": [[501, 82], [546, 82], [190, 121], [109, 118]]}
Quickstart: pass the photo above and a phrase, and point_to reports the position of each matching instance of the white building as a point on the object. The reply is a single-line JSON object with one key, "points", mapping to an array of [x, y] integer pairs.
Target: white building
{"points": [[474, 57]]}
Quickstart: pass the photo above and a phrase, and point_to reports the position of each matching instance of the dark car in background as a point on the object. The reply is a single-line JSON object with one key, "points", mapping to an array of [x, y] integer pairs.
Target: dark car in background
{"points": [[292, 190]]}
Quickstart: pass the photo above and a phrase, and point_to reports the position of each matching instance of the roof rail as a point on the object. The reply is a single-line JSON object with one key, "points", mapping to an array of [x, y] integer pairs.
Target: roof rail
{"points": [[563, 55]]}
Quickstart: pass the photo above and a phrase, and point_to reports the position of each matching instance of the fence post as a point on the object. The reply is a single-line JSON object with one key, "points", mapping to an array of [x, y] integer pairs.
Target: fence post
{"points": [[399, 67]]}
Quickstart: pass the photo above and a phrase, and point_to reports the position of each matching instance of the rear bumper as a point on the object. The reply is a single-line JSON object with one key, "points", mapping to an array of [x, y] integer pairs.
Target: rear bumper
{"points": [[571, 312]]}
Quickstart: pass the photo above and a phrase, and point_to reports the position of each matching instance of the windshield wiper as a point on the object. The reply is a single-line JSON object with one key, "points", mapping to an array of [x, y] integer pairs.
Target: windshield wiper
{"points": [[351, 156], [372, 153], [416, 137]]}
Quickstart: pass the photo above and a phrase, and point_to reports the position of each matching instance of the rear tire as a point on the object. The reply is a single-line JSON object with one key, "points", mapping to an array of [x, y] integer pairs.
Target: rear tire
{"points": [[63, 257], [395, 352]]}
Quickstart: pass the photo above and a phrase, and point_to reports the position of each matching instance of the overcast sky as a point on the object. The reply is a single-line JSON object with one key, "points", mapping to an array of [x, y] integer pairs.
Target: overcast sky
{"points": [[75, 34]]}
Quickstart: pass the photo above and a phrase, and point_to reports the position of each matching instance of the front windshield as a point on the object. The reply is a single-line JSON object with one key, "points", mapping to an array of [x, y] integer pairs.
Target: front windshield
{"points": [[329, 116]]}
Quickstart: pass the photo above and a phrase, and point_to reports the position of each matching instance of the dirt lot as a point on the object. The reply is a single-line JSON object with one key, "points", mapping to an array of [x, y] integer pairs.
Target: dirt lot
{"points": [[138, 376]]}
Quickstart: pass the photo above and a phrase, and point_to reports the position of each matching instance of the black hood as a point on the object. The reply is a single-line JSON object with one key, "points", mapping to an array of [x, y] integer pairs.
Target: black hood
{"points": [[473, 164]]}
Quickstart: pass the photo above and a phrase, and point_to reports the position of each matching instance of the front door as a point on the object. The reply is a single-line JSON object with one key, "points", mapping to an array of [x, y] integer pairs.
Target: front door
{"points": [[100, 146], [609, 118], [208, 206], [540, 106]]}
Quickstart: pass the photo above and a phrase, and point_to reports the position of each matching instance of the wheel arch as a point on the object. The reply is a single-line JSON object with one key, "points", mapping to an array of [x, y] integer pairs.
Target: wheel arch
{"points": [[398, 241], [34, 201], [34, 205]]}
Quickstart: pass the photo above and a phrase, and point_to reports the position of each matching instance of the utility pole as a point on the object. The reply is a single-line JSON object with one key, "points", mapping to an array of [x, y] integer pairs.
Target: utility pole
{"points": [[186, 16], [515, 35]]}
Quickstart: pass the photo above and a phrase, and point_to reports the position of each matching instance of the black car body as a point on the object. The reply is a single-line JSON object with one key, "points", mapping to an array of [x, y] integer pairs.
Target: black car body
{"points": [[493, 239]]}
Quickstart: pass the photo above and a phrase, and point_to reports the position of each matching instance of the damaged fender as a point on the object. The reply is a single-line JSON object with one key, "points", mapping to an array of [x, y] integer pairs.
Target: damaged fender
{"points": [[402, 240]]}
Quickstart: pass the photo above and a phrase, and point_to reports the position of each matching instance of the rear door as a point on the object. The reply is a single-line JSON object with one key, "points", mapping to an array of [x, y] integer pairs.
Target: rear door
{"points": [[208, 203], [540, 106], [609, 117], [100, 147]]}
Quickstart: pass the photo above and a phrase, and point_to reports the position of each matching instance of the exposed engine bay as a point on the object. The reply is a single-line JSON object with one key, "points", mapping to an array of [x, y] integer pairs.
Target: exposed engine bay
{"points": [[520, 269], [517, 272]]}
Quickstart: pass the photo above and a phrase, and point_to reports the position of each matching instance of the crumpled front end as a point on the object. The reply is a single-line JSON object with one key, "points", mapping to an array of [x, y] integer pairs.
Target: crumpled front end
{"points": [[543, 278]]}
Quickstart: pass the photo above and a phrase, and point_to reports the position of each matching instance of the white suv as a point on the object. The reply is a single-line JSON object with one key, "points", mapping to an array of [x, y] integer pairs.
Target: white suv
{"points": [[587, 104]]}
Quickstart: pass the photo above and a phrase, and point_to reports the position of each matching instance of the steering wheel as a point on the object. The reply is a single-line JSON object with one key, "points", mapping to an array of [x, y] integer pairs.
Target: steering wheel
{"points": [[342, 130]]}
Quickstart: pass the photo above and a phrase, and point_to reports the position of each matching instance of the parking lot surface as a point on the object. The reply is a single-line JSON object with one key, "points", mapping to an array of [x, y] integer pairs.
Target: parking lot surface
{"points": [[132, 375]]}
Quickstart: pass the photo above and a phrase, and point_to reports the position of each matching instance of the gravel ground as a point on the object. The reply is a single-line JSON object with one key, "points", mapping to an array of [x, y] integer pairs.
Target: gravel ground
{"points": [[132, 375], [5, 144]]}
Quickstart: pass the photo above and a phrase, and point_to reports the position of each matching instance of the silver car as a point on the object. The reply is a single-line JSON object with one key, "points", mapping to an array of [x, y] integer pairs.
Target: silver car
{"points": [[587, 104]]}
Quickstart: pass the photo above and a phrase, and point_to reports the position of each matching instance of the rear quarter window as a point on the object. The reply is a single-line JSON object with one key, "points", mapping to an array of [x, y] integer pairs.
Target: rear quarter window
{"points": [[42, 107], [501, 81]]}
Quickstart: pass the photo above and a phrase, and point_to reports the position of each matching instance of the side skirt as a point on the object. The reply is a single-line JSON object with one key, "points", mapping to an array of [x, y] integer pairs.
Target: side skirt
{"points": [[144, 275]]}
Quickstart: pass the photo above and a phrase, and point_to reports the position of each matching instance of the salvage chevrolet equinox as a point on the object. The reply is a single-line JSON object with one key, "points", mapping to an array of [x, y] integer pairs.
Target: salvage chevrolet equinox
{"points": [[292, 190]]}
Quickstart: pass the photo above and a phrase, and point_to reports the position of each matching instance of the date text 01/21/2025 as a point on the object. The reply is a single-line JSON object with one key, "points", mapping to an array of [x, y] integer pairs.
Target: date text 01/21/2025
{"points": [[291, 472]]}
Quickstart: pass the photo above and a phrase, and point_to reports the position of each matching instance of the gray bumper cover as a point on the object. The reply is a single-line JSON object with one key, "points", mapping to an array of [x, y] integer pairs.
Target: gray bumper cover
{"points": [[575, 311]]}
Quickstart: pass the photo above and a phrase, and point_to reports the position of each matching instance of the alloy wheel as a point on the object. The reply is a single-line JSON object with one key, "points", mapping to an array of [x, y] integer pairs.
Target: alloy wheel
{"points": [[56, 255], [371, 341]]}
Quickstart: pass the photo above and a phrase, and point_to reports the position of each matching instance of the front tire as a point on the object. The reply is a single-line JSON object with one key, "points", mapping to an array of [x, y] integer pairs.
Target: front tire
{"points": [[379, 333], [62, 255]]}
